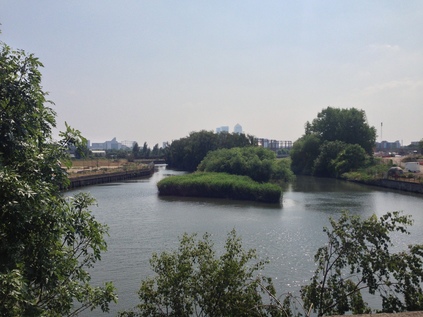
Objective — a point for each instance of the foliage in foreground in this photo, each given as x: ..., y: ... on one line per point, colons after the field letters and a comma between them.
x: 256, y: 162
x: 219, y: 185
x: 193, y: 281
x: 358, y: 258
x: 47, y: 244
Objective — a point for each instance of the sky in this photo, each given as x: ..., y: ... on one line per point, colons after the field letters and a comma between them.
x: 154, y: 71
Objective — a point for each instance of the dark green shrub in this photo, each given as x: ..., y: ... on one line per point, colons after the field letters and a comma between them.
x: 219, y: 185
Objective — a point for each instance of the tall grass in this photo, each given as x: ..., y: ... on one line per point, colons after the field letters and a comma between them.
x: 219, y: 185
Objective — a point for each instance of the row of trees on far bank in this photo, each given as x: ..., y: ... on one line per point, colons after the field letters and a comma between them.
x: 145, y: 151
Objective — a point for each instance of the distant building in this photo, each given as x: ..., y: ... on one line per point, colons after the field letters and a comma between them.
x: 98, y: 146
x: 274, y: 145
x: 99, y: 153
x: 222, y: 129
x: 386, y: 146
x: 127, y: 144
x: 238, y: 129
x: 113, y: 144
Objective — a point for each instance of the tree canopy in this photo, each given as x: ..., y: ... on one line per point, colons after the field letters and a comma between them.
x: 358, y: 259
x: 303, y: 153
x: 47, y: 242
x: 256, y: 162
x: 337, y: 141
x: 346, y: 125
x: 186, y: 153
x: 193, y: 281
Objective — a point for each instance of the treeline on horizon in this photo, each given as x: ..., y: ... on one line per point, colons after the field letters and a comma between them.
x: 338, y: 141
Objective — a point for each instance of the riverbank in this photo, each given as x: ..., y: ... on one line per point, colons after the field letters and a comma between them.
x: 394, y: 184
x: 117, y: 175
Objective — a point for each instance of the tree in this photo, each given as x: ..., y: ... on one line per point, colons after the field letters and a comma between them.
x: 145, y: 152
x: 155, y: 152
x: 358, y: 258
x: 324, y: 164
x: 258, y: 163
x: 352, y: 157
x: 193, y: 281
x: 281, y: 170
x: 186, y: 153
x: 316, y: 151
x: 303, y: 153
x: 347, y: 125
x: 136, y: 150
x: 47, y: 242
x: 227, y: 140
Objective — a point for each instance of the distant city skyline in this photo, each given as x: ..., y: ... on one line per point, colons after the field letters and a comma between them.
x: 116, y: 145
x: 237, y: 129
x: 157, y: 70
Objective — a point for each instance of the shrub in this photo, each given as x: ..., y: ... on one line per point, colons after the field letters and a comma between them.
x: 219, y: 185
x: 193, y: 281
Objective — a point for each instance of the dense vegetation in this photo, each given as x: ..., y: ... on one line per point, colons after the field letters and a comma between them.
x: 256, y: 162
x: 193, y: 281
x: 146, y: 152
x: 186, y: 153
x: 356, y: 260
x: 47, y: 242
x: 219, y: 185
x: 236, y: 173
x: 336, y: 142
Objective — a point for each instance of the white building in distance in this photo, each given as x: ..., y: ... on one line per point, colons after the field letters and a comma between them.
x: 112, y: 145
x: 222, y: 129
x: 238, y: 129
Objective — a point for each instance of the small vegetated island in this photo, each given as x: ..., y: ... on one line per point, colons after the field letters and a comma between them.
x: 241, y: 173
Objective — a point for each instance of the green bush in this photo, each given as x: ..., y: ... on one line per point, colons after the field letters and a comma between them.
x: 194, y: 281
x: 256, y: 162
x: 375, y: 169
x: 219, y: 185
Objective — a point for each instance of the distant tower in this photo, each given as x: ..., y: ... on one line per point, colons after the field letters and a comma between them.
x: 238, y: 129
x: 222, y: 129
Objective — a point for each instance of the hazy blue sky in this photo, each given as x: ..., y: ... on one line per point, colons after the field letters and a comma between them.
x: 156, y: 70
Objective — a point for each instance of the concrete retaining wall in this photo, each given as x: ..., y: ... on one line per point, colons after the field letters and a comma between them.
x: 109, y: 177
x: 393, y: 184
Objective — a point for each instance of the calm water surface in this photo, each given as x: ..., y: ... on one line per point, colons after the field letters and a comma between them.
x: 288, y: 235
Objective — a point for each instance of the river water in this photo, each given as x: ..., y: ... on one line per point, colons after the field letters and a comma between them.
x: 140, y: 223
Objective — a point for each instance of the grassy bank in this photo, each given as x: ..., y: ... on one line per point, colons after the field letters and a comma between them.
x: 219, y: 185
x: 102, y: 166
